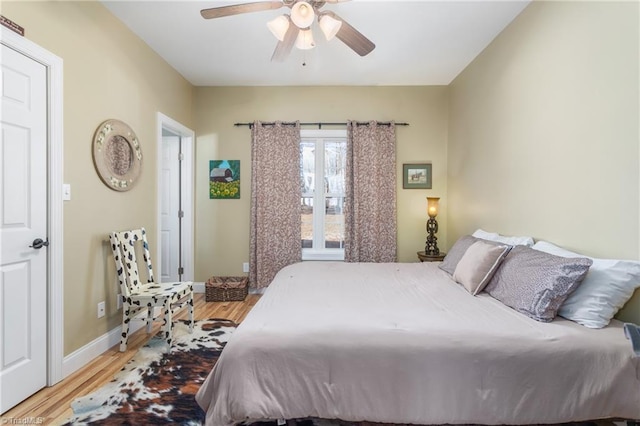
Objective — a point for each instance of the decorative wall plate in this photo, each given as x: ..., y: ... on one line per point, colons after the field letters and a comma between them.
x: 117, y: 155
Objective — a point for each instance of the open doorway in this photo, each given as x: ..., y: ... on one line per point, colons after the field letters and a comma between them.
x: 175, y: 200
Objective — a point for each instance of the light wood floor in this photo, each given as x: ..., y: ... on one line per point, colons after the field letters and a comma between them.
x: 53, y: 405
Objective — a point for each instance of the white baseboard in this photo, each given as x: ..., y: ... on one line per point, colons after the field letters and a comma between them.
x: 81, y: 357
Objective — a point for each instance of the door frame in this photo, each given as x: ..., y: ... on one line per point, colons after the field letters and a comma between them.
x: 187, y: 137
x: 55, y: 251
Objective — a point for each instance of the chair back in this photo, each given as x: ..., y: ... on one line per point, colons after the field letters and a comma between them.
x: 123, y: 245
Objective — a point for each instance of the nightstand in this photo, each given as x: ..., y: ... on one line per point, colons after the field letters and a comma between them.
x: 424, y: 258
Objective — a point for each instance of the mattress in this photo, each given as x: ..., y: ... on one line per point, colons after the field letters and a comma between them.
x: 403, y: 343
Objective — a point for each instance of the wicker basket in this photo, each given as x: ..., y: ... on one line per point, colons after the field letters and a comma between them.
x: 225, y: 289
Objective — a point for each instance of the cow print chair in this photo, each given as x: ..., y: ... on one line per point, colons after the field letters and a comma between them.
x: 138, y: 296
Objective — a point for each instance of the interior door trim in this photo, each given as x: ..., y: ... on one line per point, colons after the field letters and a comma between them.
x: 55, y: 251
x: 187, y: 137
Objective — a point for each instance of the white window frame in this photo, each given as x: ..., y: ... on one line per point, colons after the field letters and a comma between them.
x: 319, y: 137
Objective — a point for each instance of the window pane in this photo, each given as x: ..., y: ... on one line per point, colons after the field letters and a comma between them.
x: 334, y: 222
x: 335, y: 154
x: 307, y: 222
x: 307, y: 166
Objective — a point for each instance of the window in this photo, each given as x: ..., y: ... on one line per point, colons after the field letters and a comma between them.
x: 323, y: 155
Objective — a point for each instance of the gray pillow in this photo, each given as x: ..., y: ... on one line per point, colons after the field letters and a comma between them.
x: 536, y: 283
x: 456, y: 252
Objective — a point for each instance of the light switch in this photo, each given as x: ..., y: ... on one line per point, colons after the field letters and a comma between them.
x: 66, y: 192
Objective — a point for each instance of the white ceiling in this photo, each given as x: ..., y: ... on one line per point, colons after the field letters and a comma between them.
x: 417, y: 42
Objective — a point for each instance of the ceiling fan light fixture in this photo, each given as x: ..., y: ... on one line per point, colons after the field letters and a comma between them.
x: 305, y: 40
x: 279, y: 26
x: 329, y: 26
x: 302, y: 14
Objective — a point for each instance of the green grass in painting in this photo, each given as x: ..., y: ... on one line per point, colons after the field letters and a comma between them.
x: 224, y: 189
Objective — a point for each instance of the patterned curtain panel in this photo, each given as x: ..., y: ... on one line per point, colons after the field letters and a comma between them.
x: 370, y: 205
x: 275, y: 200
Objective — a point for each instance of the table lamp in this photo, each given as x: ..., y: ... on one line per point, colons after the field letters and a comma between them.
x: 431, y: 247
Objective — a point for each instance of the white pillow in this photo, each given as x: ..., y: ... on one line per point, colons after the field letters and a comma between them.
x: 512, y: 241
x: 609, y: 284
x: 478, y: 264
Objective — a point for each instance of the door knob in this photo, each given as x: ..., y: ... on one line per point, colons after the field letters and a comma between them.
x: 38, y: 243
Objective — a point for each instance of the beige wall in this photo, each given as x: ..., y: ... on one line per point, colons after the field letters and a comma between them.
x: 543, y: 131
x: 108, y: 73
x: 542, y: 135
x: 222, y: 226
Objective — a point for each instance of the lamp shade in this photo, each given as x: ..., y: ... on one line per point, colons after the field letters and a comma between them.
x: 305, y: 40
x: 302, y: 14
x: 329, y: 26
x: 279, y: 26
x: 432, y: 206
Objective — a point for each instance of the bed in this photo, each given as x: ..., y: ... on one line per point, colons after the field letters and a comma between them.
x: 404, y: 343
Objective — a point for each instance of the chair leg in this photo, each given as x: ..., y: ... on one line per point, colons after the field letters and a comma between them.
x: 149, y: 318
x: 168, y: 322
x: 191, y: 313
x: 124, y: 337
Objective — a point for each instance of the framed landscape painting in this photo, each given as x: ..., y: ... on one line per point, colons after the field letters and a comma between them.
x: 416, y: 176
x: 224, y: 179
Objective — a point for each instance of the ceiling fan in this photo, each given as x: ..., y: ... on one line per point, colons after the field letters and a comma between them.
x: 295, y: 28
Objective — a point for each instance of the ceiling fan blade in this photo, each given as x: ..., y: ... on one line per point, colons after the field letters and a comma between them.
x: 236, y: 9
x: 352, y: 37
x: 283, y: 48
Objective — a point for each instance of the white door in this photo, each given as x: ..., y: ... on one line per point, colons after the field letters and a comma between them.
x: 23, y: 219
x: 170, y: 208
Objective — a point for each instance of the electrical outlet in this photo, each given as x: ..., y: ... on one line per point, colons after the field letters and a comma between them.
x: 245, y: 267
x: 119, y: 300
x: 101, y: 309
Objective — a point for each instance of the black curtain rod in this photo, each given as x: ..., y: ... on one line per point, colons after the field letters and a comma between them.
x: 319, y: 124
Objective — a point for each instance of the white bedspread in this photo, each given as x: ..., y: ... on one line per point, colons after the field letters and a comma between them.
x: 402, y: 343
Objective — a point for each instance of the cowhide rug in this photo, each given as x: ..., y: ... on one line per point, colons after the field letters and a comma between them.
x: 156, y: 386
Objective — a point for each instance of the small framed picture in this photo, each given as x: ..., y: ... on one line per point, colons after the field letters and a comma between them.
x: 416, y: 176
x: 224, y: 179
